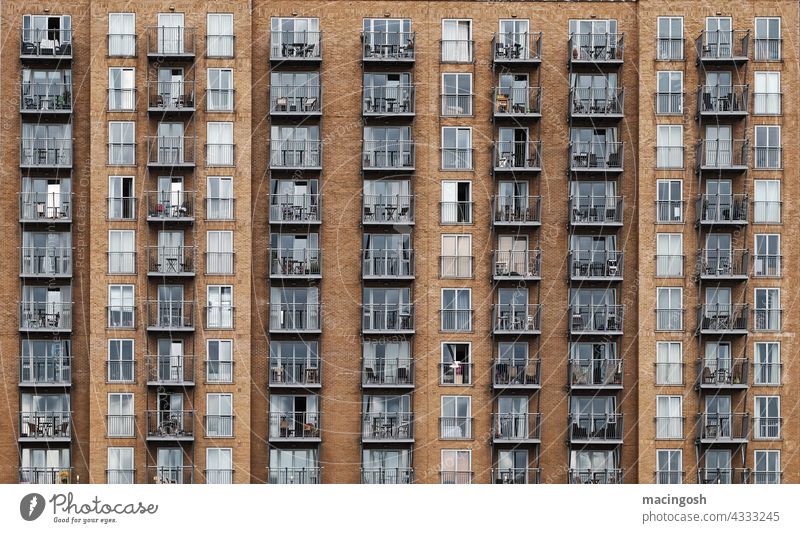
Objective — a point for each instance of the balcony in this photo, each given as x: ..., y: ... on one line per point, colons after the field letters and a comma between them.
x: 295, y: 46
x: 517, y: 319
x: 723, y: 101
x: 170, y: 425
x: 387, y: 427
x: 220, y: 263
x: 611, y: 476
x: 170, y: 206
x: 722, y: 209
x: 46, y: 44
x: 723, y: 373
x: 723, y: 264
x: 295, y: 100
x: 387, y: 373
x: 45, y: 262
x: 516, y: 428
x: 587, y: 374
x: 172, y: 475
x: 455, y: 477
x: 387, y: 476
x: 722, y: 155
x: 295, y: 476
x: 294, y: 426
x: 171, y: 97
x: 302, y: 209
x: 295, y: 373
x: 455, y: 427
x: 516, y: 48
x: 170, y: 370
x: 767, y: 266
x: 386, y: 319
x: 170, y: 42
x: 41, y: 475
x: 768, y: 158
x: 295, y: 263
x: 516, y: 476
x: 295, y: 318
x: 517, y: 265
x: 45, y: 371
x: 388, y: 47
x: 517, y: 156
x: 170, y: 315
x: 395, y: 155
x: 517, y: 210
x: 177, y: 261
x: 596, y: 156
x: 46, y: 153
x: 723, y: 46
x: 120, y: 426
x: 604, y: 428
x: 295, y: 155
x: 218, y: 426
x: 517, y: 102
x: 172, y: 151
x: 596, y: 265
x: 600, y: 319
x: 44, y: 207
x: 597, y: 103
x: 45, y: 98
x: 596, y: 211
x: 517, y: 374
x: 595, y: 49
x: 723, y: 428
x: 42, y: 426
x: 391, y: 210
x: 722, y: 476
x: 388, y: 101
x: 722, y: 319
x: 387, y: 264
x: 50, y: 317
x: 669, y: 48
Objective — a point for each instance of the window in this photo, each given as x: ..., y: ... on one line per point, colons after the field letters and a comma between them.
x: 120, y: 361
x: 456, y: 467
x: 219, y: 144
x: 767, y: 363
x: 122, y: 89
x: 220, y: 307
x: 121, y: 252
x: 219, y: 198
x: 456, y: 94
x: 219, y: 35
x: 120, y: 415
x: 669, y: 255
x: 121, y: 143
x: 456, y: 258
x: 456, y: 421
x: 669, y: 467
x: 767, y: 418
x: 767, y: 203
x: 219, y: 252
x: 220, y: 89
x: 456, y: 41
x: 297, y: 362
x: 219, y: 415
x: 669, y: 147
x: 171, y: 35
x: 456, y: 202
x: 669, y: 363
x: 669, y: 97
x: 767, y: 310
x: 121, y: 34
x: 595, y: 40
x: 293, y: 38
x: 388, y: 147
x: 768, y: 147
x: 767, y: 93
x: 768, y: 467
x: 294, y: 466
x: 456, y: 148
x: 669, y: 309
x: 120, y: 469
x: 768, y: 39
x: 456, y: 310
x: 669, y: 201
x: 121, y: 198
x: 669, y: 417
x: 767, y: 258
x: 219, y: 361
x: 456, y: 365
x: 670, y: 38
x: 120, y: 306
x: 219, y: 465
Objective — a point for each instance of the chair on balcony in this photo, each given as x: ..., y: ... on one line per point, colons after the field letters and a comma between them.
x: 612, y: 267
x: 282, y: 104
x: 309, y: 104
x: 502, y: 103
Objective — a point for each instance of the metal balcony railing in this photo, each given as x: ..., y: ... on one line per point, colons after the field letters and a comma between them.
x: 220, y: 154
x: 596, y: 210
x: 516, y: 210
x: 218, y: 476
x: 219, y: 371
x: 516, y: 476
x: 597, y: 102
x: 387, y: 372
x: 388, y: 100
x: 220, y: 208
x: 669, y: 156
x: 767, y: 265
x: 455, y: 427
x: 722, y: 154
x: 295, y: 262
x: 45, y: 97
x: 722, y: 476
x: 120, y: 426
x: 768, y: 49
x: 669, y: 103
x: 220, y: 263
x: 596, y: 264
x: 456, y: 266
x: 45, y: 43
x: 170, y: 425
x: 456, y: 104
x: 388, y: 155
x: 516, y: 427
x: 291, y: 154
x: 173, y: 475
x: 611, y: 476
x: 171, y: 96
x: 121, y: 316
x: 767, y: 319
x: 517, y: 47
x: 517, y: 102
x: 220, y: 46
x: 121, y: 44
x: 669, y: 477
x: 517, y: 318
x: 45, y: 425
x: 122, y: 208
x: 386, y: 263
x: 387, y: 476
x: 295, y: 425
x: 601, y: 319
x: 597, y: 47
x: 218, y: 425
x: 767, y: 427
x: 164, y: 206
x: 455, y: 477
x: 46, y: 475
x: 722, y: 209
x: 596, y: 156
x: 50, y: 261
x: 295, y: 209
x: 220, y: 99
x: 604, y: 427
x: 669, y: 319
x: 456, y: 158
x: 723, y: 99
x: 388, y: 46
x: 121, y: 371
x: 722, y: 427
x: 768, y: 157
x: 170, y: 315
x: 595, y: 373
x: 457, y: 50
x: 46, y: 152
x: 723, y: 264
x: 670, y: 211
x: 171, y: 41
x: 387, y: 427
x: 669, y: 373
x: 455, y: 373
x: 295, y: 99
x: 165, y: 370
x: 295, y: 46
x: 172, y: 151
x: 722, y: 318
x: 387, y: 209
x: 387, y: 318
x: 517, y: 264
x: 171, y: 260
x: 669, y: 48
x: 295, y: 372
x: 517, y: 155
x: 45, y: 316
x: 295, y: 317
x: 116, y: 476
x: 310, y: 475
x: 723, y: 45
x: 45, y: 207
x: 42, y: 370
x: 515, y: 373
x: 765, y: 477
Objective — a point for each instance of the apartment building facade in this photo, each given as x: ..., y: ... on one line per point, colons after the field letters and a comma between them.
x: 399, y: 242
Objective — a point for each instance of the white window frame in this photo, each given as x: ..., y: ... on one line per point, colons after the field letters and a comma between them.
x: 772, y: 360
x: 669, y: 264
x: 778, y: 473
x: 669, y: 97
x: 456, y: 453
x: 668, y: 471
x: 222, y: 52
x: 767, y: 265
x: 767, y: 102
x: 669, y: 152
x: 124, y: 98
x: 126, y: 147
x: 121, y: 432
x: 458, y: 265
x: 123, y: 303
x: 670, y: 324
x: 457, y: 311
x: 220, y: 153
x: 756, y: 55
x: 670, y: 201
x: 124, y: 264
x: 122, y: 367
x: 224, y: 372
x: 219, y: 476
x: 771, y: 430
x: 460, y: 162
x: 219, y: 316
x: 667, y: 55
x: 668, y: 371
x: 125, y: 467
x: 769, y: 321
x: 466, y: 375
x: 764, y: 198
x: 219, y: 98
x: 669, y: 426
x: 214, y: 407
x: 457, y: 50
x: 451, y: 205
x: 458, y: 435
x: 457, y: 104
x: 219, y: 242
x: 130, y: 40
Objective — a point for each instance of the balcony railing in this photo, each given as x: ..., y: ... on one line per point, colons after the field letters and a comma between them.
x: 220, y: 154
x: 595, y: 373
x: 669, y: 266
x: 387, y: 318
x: 295, y: 317
x: 723, y: 45
x: 723, y: 427
x: 669, y: 477
x: 517, y: 102
x: 600, y: 319
x: 173, y: 475
x: 49, y: 261
x: 171, y: 96
x: 295, y: 262
x: 587, y: 265
x: 669, y: 103
x: 220, y: 263
x: 45, y: 476
x: 516, y: 476
x: 517, y: 156
x: 385, y: 100
x: 669, y: 318
x: 388, y: 155
x: 386, y: 263
x: 767, y: 265
x: 295, y: 426
x: 768, y: 49
x: 456, y: 104
x: 387, y: 476
x: 170, y: 425
x: 722, y: 476
x: 387, y: 372
x: 170, y: 315
x: 121, y: 316
x: 298, y: 155
x: 295, y: 209
x: 723, y: 100
x: 610, y: 476
x: 722, y: 319
x: 45, y: 97
x: 387, y: 427
x: 122, y: 208
x: 41, y: 371
x: 456, y: 158
x: 166, y: 370
x: 517, y: 47
x: 295, y: 476
x: 669, y: 48
x: 517, y: 210
x: 170, y: 41
x: 220, y: 208
x: 514, y: 373
x: 597, y: 47
x: 45, y: 207
x: 42, y: 43
x: 295, y: 46
x: 516, y: 427
x: 456, y: 266
x: 120, y: 426
x: 218, y: 425
x: 455, y: 477
x: 767, y: 103
x: 388, y: 46
x: 596, y: 210
x: 45, y: 425
x: 597, y: 102
x: 765, y: 477
x: 171, y: 151
x: 220, y: 316
x: 455, y: 427
x: 604, y: 427
x: 121, y: 371
x: 46, y: 152
x: 220, y: 45
x: 723, y: 264
x: 171, y: 260
x: 387, y: 209
x: 669, y: 427
x: 456, y: 373
x: 517, y: 318
x: 303, y: 100
x: 45, y: 316
x: 722, y: 209
x: 596, y: 156
x: 164, y: 206
x: 669, y: 156
x: 295, y: 372
x: 457, y: 50
x: 768, y: 157
x: 670, y: 211
x: 722, y: 154
x: 767, y: 319
x: 219, y: 476
x: 767, y: 427
x: 517, y: 264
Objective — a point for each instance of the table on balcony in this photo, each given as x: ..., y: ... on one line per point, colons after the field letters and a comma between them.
x: 171, y: 264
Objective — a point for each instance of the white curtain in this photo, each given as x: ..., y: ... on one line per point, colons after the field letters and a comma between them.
x: 220, y: 35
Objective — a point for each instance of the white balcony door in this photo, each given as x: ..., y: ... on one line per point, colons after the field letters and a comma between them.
x: 767, y: 93
x: 719, y: 146
x: 170, y: 142
x: 220, y: 306
x: 170, y: 360
x: 719, y: 35
x: 170, y: 33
